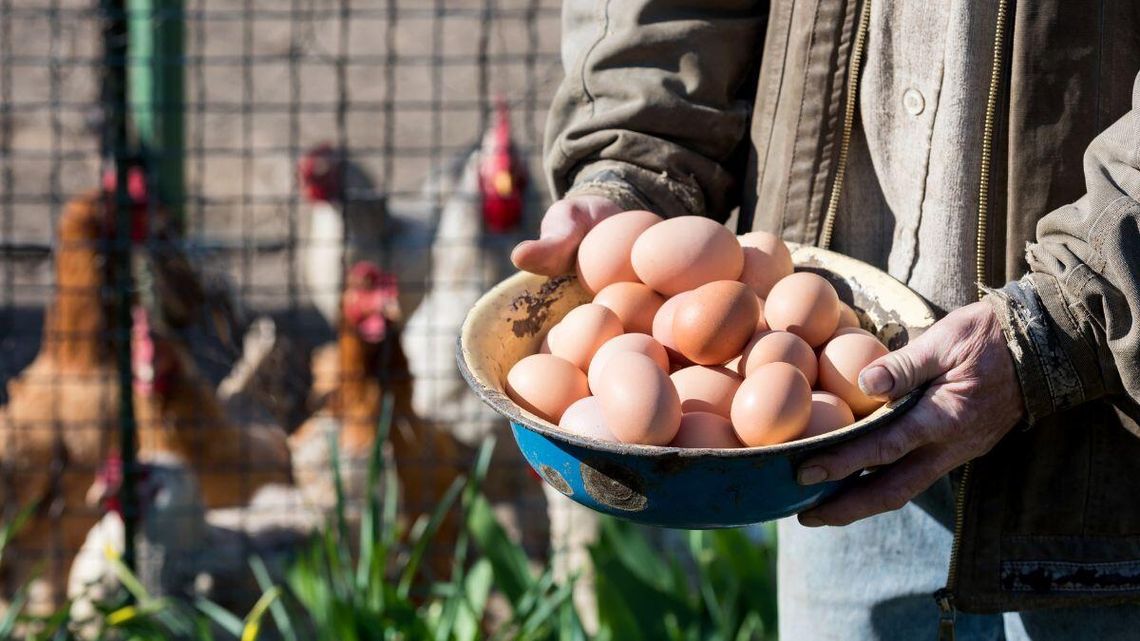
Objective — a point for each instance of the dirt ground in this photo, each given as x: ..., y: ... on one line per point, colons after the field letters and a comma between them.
x: 397, y: 81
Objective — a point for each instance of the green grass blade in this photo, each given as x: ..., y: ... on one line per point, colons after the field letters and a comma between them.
x: 424, y: 537
x: 220, y: 616
x: 13, y: 527
x: 252, y: 628
x: 371, y: 519
x: 12, y: 614
x: 508, y: 560
x: 277, y: 607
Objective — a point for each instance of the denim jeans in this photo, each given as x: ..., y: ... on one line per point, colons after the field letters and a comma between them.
x: 874, y: 580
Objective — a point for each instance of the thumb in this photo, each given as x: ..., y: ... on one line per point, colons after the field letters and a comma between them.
x: 563, y: 227
x: 904, y: 369
x: 552, y: 254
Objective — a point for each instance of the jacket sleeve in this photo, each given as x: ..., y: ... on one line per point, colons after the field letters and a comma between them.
x: 655, y: 102
x: 1073, y: 322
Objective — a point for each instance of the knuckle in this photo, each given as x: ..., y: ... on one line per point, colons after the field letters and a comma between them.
x: 890, y: 448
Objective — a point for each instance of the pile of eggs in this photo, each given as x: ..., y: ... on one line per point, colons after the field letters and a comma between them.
x: 697, y: 338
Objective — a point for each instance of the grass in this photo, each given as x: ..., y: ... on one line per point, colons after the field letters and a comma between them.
x: 720, y: 586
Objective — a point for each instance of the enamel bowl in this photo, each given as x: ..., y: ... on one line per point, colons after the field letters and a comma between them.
x: 668, y: 486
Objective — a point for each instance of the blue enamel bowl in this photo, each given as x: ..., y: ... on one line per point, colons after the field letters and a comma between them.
x: 669, y: 486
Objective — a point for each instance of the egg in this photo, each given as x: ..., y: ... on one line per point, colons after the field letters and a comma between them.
x: 634, y: 303
x: 684, y: 253
x: 778, y: 347
x: 640, y: 343
x: 828, y: 413
x: 581, y: 332
x: 706, y: 389
x: 804, y: 304
x: 604, y: 253
x: 766, y: 261
x: 839, y: 365
x: 639, y: 401
x: 772, y: 406
x: 847, y: 317
x: 545, y: 385
x: 663, y: 327
x: 705, y: 429
x: 585, y: 418
x: 852, y: 330
x: 715, y: 321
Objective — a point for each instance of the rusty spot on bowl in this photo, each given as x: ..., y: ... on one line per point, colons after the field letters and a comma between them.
x: 554, y: 478
x: 614, y: 486
x: 536, y: 307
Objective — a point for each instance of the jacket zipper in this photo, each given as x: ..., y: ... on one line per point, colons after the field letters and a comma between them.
x: 848, y: 123
x: 946, y: 596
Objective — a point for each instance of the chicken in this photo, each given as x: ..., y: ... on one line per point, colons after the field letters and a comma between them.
x: 370, y: 365
x: 177, y: 412
x: 64, y: 407
x: 483, y: 200
x: 181, y: 549
x: 347, y: 222
x: 481, y: 220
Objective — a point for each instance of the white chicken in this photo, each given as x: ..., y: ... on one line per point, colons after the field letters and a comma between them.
x: 480, y: 221
x: 347, y: 222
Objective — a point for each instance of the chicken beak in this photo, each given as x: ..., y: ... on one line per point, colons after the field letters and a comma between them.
x: 503, y: 182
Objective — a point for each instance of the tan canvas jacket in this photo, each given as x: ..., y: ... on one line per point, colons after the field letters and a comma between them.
x: 702, y: 106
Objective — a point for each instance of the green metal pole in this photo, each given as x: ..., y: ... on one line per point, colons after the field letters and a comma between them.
x: 157, y: 95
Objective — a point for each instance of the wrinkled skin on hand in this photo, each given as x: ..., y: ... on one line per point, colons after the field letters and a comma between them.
x: 973, y: 400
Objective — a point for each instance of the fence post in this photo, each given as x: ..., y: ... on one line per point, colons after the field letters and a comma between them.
x: 157, y: 96
x: 117, y: 152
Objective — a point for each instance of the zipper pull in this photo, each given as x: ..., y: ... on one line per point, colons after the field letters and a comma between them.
x: 946, y: 614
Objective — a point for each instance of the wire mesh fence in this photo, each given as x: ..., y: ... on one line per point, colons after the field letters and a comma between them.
x: 302, y: 201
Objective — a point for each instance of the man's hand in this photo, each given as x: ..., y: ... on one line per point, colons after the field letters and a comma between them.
x: 563, y: 227
x: 973, y: 400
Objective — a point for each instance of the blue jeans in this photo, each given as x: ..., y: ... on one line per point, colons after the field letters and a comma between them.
x: 874, y: 580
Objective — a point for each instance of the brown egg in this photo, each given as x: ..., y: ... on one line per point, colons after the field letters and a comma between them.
x: 706, y: 389
x: 684, y: 253
x: 847, y: 317
x: 546, y: 385
x: 634, y: 303
x: 839, y: 366
x: 773, y: 405
x: 714, y: 321
x: 778, y: 347
x: 766, y: 261
x: 640, y: 343
x: 705, y: 429
x: 663, y: 328
x: 828, y: 413
x: 585, y: 418
x: 639, y: 401
x: 603, y: 255
x: 852, y: 330
x: 581, y: 332
x: 804, y: 304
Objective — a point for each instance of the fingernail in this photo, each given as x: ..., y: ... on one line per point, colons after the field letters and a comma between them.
x: 876, y: 381
x: 812, y: 475
x: 810, y: 521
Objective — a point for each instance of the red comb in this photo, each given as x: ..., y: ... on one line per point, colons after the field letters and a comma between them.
x: 369, y: 275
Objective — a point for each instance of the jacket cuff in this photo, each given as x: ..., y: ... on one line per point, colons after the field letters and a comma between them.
x: 633, y: 187
x: 1048, y: 355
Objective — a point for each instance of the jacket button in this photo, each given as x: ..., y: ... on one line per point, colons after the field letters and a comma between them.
x: 913, y: 102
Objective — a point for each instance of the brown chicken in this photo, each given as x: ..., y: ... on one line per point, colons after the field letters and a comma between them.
x: 371, y: 364
x: 63, y: 408
x: 178, y: 412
